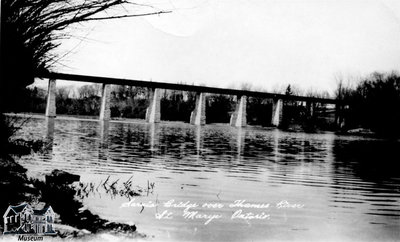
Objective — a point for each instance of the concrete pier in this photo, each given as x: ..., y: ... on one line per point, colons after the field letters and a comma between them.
x: 310, y: 106
x: 339, y: 119
x: 51, y: 99
x: 239, y: 117
x: 153, y: 112
x: 277, y: 112
x: 198, y: 116
x: 105, y: 112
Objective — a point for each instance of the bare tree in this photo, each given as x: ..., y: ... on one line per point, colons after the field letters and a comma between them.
x: 88, y: 91
x: 246, y: 86
x: 32, y: 29
x: 64, y: 92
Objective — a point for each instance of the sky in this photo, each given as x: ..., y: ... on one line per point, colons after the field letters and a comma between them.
x: 225, y: 43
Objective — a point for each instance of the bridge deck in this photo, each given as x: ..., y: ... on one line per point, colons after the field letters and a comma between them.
x: 182, y: 87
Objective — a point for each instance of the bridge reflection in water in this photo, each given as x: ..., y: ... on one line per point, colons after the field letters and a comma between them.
x: 349, y: 185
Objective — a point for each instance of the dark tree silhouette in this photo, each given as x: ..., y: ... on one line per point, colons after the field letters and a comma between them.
x: 288, y: 91
x: 374, y: 104
x: 32, y: 29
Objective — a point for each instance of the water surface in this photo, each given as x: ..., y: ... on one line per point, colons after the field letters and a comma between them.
x: 348, y: 186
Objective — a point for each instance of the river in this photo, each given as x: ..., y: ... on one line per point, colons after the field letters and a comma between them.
x: 249, y: 184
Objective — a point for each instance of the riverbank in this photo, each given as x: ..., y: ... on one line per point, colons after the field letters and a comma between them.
x: 72, y: 221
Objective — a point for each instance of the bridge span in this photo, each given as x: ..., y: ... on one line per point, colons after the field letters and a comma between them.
x: 198, y: 116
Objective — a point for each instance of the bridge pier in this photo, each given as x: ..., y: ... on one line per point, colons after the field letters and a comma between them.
x: 51, y: 99
x: 239, y: 117
x: 198, y: 116
x: 153, y: 112
x: 277, y: 112
x: 310, y: 106
x: 105, y: 112
x: 339, y: 119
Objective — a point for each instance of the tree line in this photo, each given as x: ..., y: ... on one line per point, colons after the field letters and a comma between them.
x: 373, y: 103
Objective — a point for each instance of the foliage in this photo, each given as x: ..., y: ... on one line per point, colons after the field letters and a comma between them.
x: 129, y: 102
x: 219, y: 108
x: 257, y: 111
x: 374, y: 103
x: 177, y: 105
x: 8, y: 127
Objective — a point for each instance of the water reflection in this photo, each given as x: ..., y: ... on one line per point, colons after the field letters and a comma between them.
x: 154, y: 136
x: 339, y: 179
x: 276, y: 152
x: 103, y: 146
x: 49, y: 138
x: 50, y: 128
x: 104, y: 132
x: 199, y: 140
x: 240, y: 142
x: 365, y: 178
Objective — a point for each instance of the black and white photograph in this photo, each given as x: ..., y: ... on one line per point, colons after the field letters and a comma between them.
x: 200, y: 120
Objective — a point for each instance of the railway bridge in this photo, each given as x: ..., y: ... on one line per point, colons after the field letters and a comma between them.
x: 198, y: 115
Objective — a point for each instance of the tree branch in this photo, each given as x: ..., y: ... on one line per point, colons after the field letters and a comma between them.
x: 127, y: 16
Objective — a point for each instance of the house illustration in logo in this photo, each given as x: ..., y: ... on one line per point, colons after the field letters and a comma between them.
x: 23, y: 219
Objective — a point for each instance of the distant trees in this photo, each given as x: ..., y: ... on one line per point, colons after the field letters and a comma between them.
x: 219, y: 107
x: 88, y: 91
x: 177, y: 105
x: 85, y: 102
x: 128, y: 101
x: 258, y: 111
x: 374, y: 103
x: 289, y: 91
x: 310, y: 116
x: 79, y: 102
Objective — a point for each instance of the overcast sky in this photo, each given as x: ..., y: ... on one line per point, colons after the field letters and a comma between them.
x: 225, y: 43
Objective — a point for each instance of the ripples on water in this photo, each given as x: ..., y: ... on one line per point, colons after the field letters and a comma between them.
x: 350, y: 186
